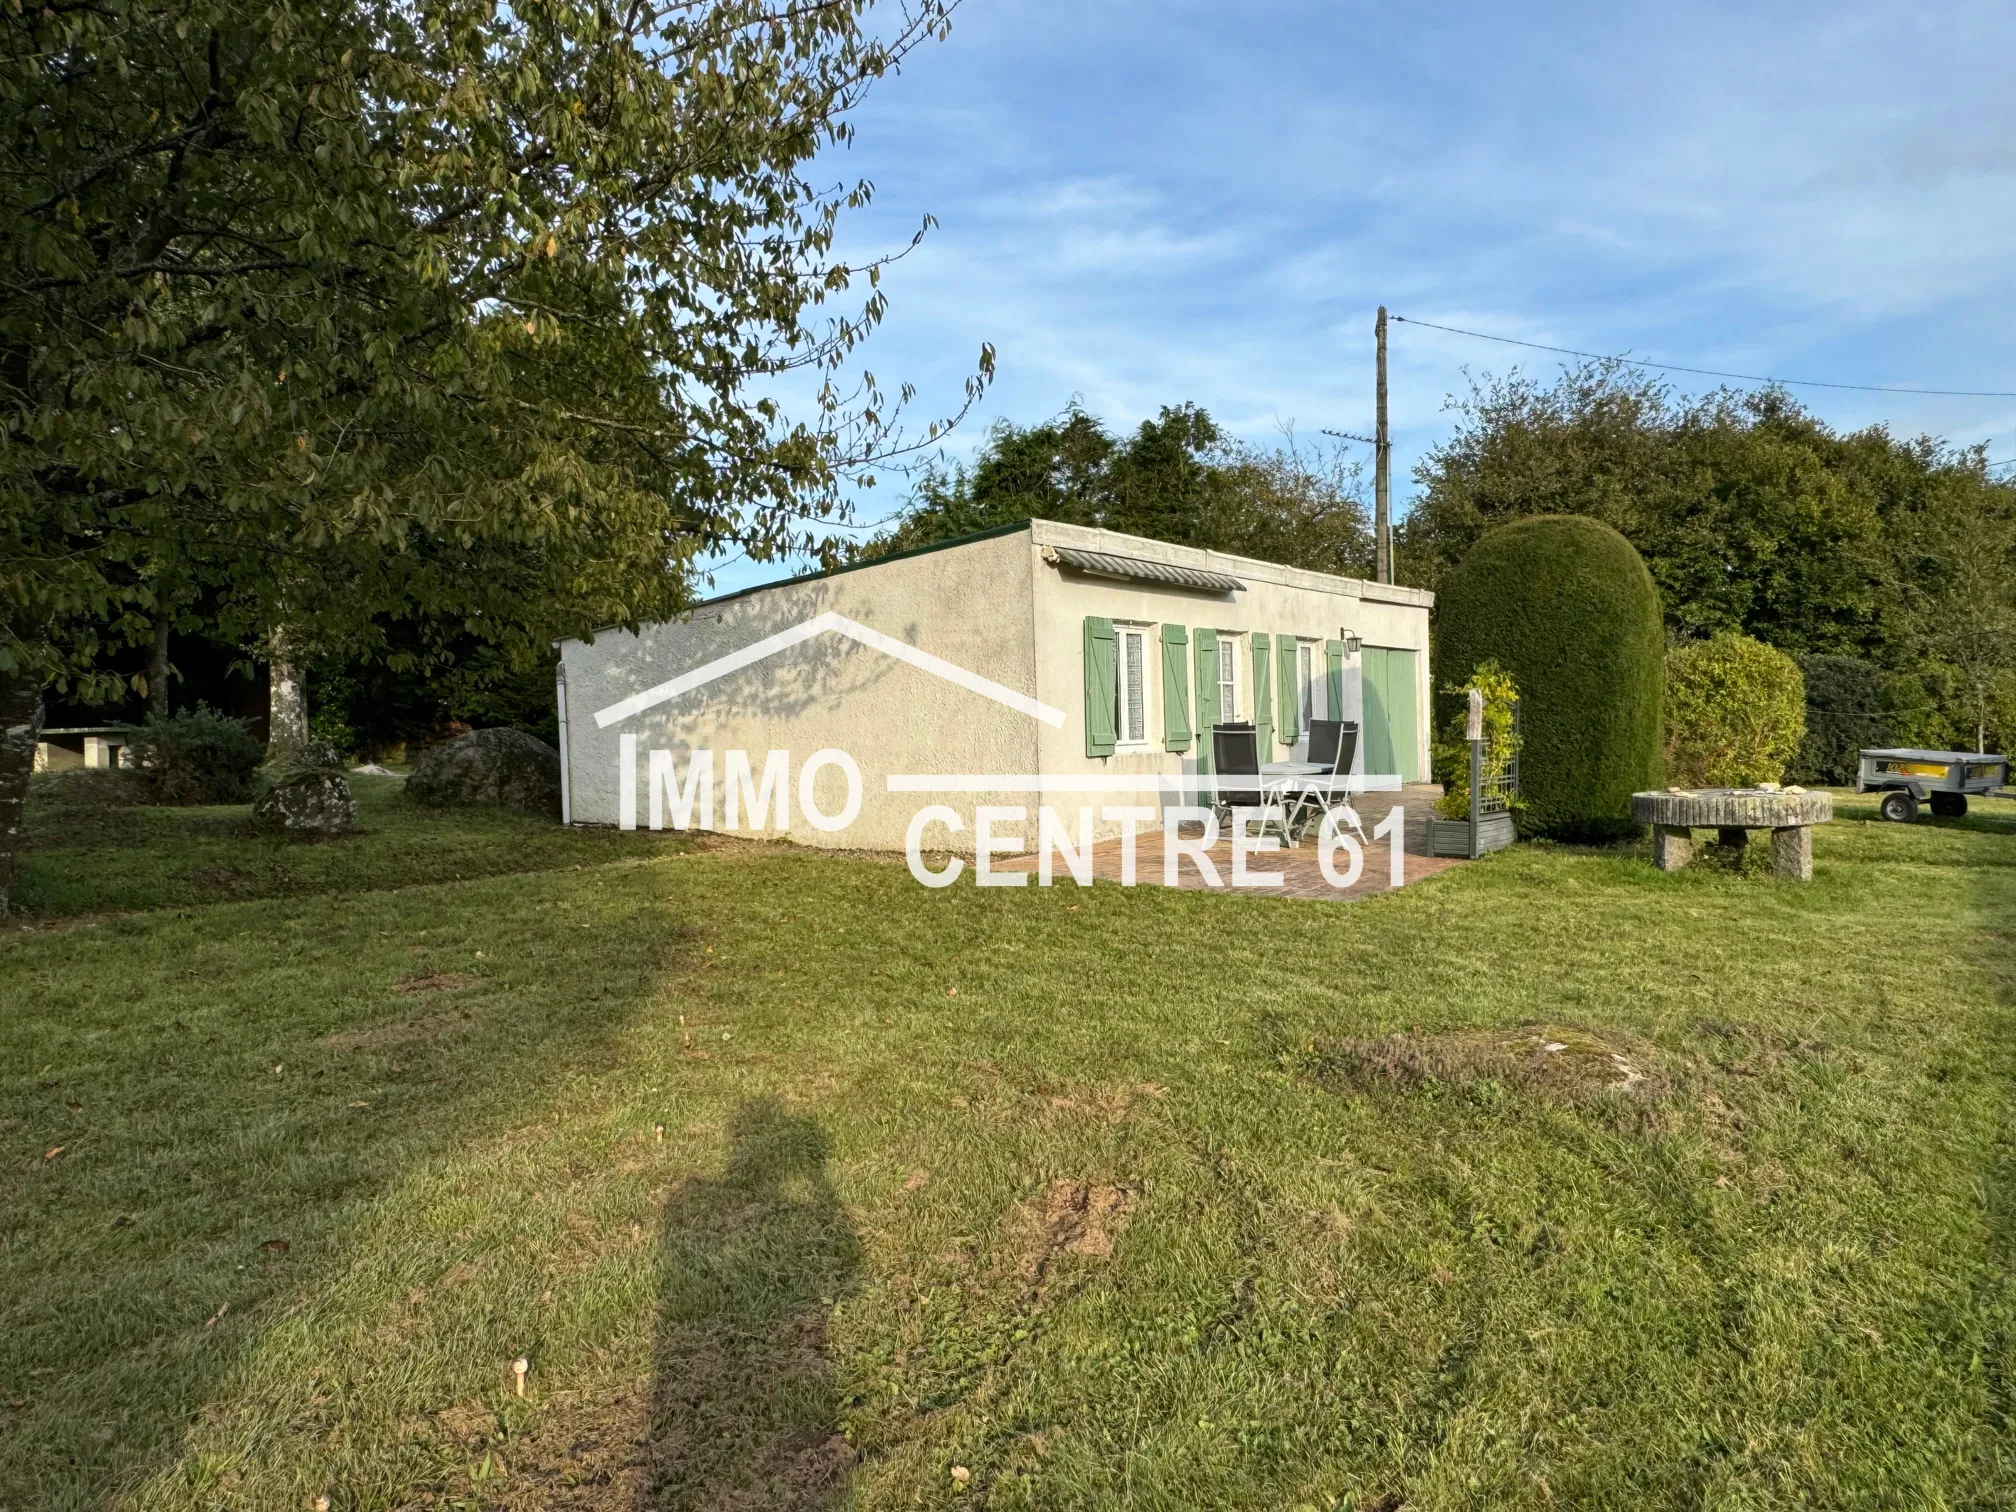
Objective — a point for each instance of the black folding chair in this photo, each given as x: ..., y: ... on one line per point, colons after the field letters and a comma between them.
x: 1323, y: 740
x: 1235, y: 754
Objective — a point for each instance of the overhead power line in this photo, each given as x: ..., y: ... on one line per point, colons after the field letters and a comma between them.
x: 1674, y: 367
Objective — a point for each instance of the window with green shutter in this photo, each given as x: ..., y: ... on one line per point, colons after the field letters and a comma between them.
x: 1207, y: 694
x: 1288, y: 714
x: 1263, y: 693
x: 1333, y: 678
x: 1175, y: 688
x: 1102, y: 685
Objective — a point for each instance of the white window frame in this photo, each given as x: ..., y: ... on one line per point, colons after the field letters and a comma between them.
x: 1305, y: 672
x: 1123, y: 740
x: 1229, y: 644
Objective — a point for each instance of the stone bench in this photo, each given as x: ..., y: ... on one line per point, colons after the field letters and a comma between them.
x: 1790, y: 816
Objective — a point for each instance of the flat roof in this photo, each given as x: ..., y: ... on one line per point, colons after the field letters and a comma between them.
x: 1056, y: 531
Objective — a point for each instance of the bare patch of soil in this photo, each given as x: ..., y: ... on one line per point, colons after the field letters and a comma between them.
x: 1568, y: 1063
x: 1069, y: 1218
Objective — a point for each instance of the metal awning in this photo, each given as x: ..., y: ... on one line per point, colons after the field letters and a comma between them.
x: 1104, y: 564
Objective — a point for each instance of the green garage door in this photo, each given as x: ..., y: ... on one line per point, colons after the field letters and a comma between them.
x: 1392, y: 714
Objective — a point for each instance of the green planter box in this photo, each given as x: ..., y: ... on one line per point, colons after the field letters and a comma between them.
x: 1451, y: 837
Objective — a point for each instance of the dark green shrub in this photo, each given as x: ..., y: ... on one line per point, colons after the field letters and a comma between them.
x: 1735, y: 712
x: 1565, y: 605
x: 1848, y: 709
x: 196, y: 756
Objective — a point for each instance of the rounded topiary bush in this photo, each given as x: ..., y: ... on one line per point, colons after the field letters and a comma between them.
x: 1565, y: 605
x: 1735, y: 712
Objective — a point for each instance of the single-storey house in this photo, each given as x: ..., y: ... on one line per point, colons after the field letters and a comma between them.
x: 1033, y: 660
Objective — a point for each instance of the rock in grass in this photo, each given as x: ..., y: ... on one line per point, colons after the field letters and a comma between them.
x: 303, y: 794
x: 312, y: 808
x: 503, y: 766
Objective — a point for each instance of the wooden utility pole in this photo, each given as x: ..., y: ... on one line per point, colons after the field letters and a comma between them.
x: 1382, y: 465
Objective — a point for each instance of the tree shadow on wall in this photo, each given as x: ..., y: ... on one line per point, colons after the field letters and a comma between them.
x: 744, y: 1412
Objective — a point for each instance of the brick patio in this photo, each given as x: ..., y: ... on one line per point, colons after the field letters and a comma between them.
x: 1302, y: 874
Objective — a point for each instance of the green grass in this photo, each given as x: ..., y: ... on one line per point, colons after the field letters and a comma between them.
x: 91, y: 849
x: 799, y: 1186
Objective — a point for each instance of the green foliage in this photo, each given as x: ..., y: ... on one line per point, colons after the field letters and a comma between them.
x: 330, y: 725
x: 1501, y: 737
x: 195, y: 756
x: 375, y: 711
x: 1177, y: 478
x: 1962, y: 582
x: 1566, y: 606
x: 1735, y: 712
x: 451, y: 310
x: 1754, y: 517
x: 1849, y: 708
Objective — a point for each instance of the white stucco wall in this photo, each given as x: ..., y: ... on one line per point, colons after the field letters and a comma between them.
x: 994, y: 607
x: 1277, y: 600
x: 969, y: 604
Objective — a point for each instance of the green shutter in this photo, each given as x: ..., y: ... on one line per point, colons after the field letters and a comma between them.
x: 1403, y: 714
x: 1263, y: 694
x: 1207, y: 694
x: 1333, y: 677
x: 1175, y: 688
x: 1289, y: 720
x: 1377, y: 737
x: 1102, y: 685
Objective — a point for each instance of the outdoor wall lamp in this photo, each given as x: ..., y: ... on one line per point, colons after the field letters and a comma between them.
x: 1351, y: 642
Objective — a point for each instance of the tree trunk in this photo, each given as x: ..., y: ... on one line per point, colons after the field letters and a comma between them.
x: 286, y: 699
x: 157, y: 673
x: 20, y: 725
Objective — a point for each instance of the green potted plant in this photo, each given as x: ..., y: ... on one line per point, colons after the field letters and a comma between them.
x: 1478, y: 762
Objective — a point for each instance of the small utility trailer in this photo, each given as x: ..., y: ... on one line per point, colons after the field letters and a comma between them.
x: 1942, y: 780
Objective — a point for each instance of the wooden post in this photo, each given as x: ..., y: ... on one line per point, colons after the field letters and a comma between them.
x: 1382, y: 463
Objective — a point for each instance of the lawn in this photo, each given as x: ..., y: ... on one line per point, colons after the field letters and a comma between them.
x: 797, y: 1185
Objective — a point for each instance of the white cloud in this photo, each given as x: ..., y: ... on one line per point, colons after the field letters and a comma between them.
x: 1146, y: 203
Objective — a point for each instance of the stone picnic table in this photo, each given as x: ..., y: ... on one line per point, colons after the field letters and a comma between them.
x: 1789, y: 814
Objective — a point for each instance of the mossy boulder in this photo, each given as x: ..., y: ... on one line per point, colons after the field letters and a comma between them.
x: 503, y: 766
x: 1565, y: 604
x: 301, y: 793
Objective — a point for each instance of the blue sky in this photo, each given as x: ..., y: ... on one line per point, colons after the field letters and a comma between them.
x: 1141, y: 204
